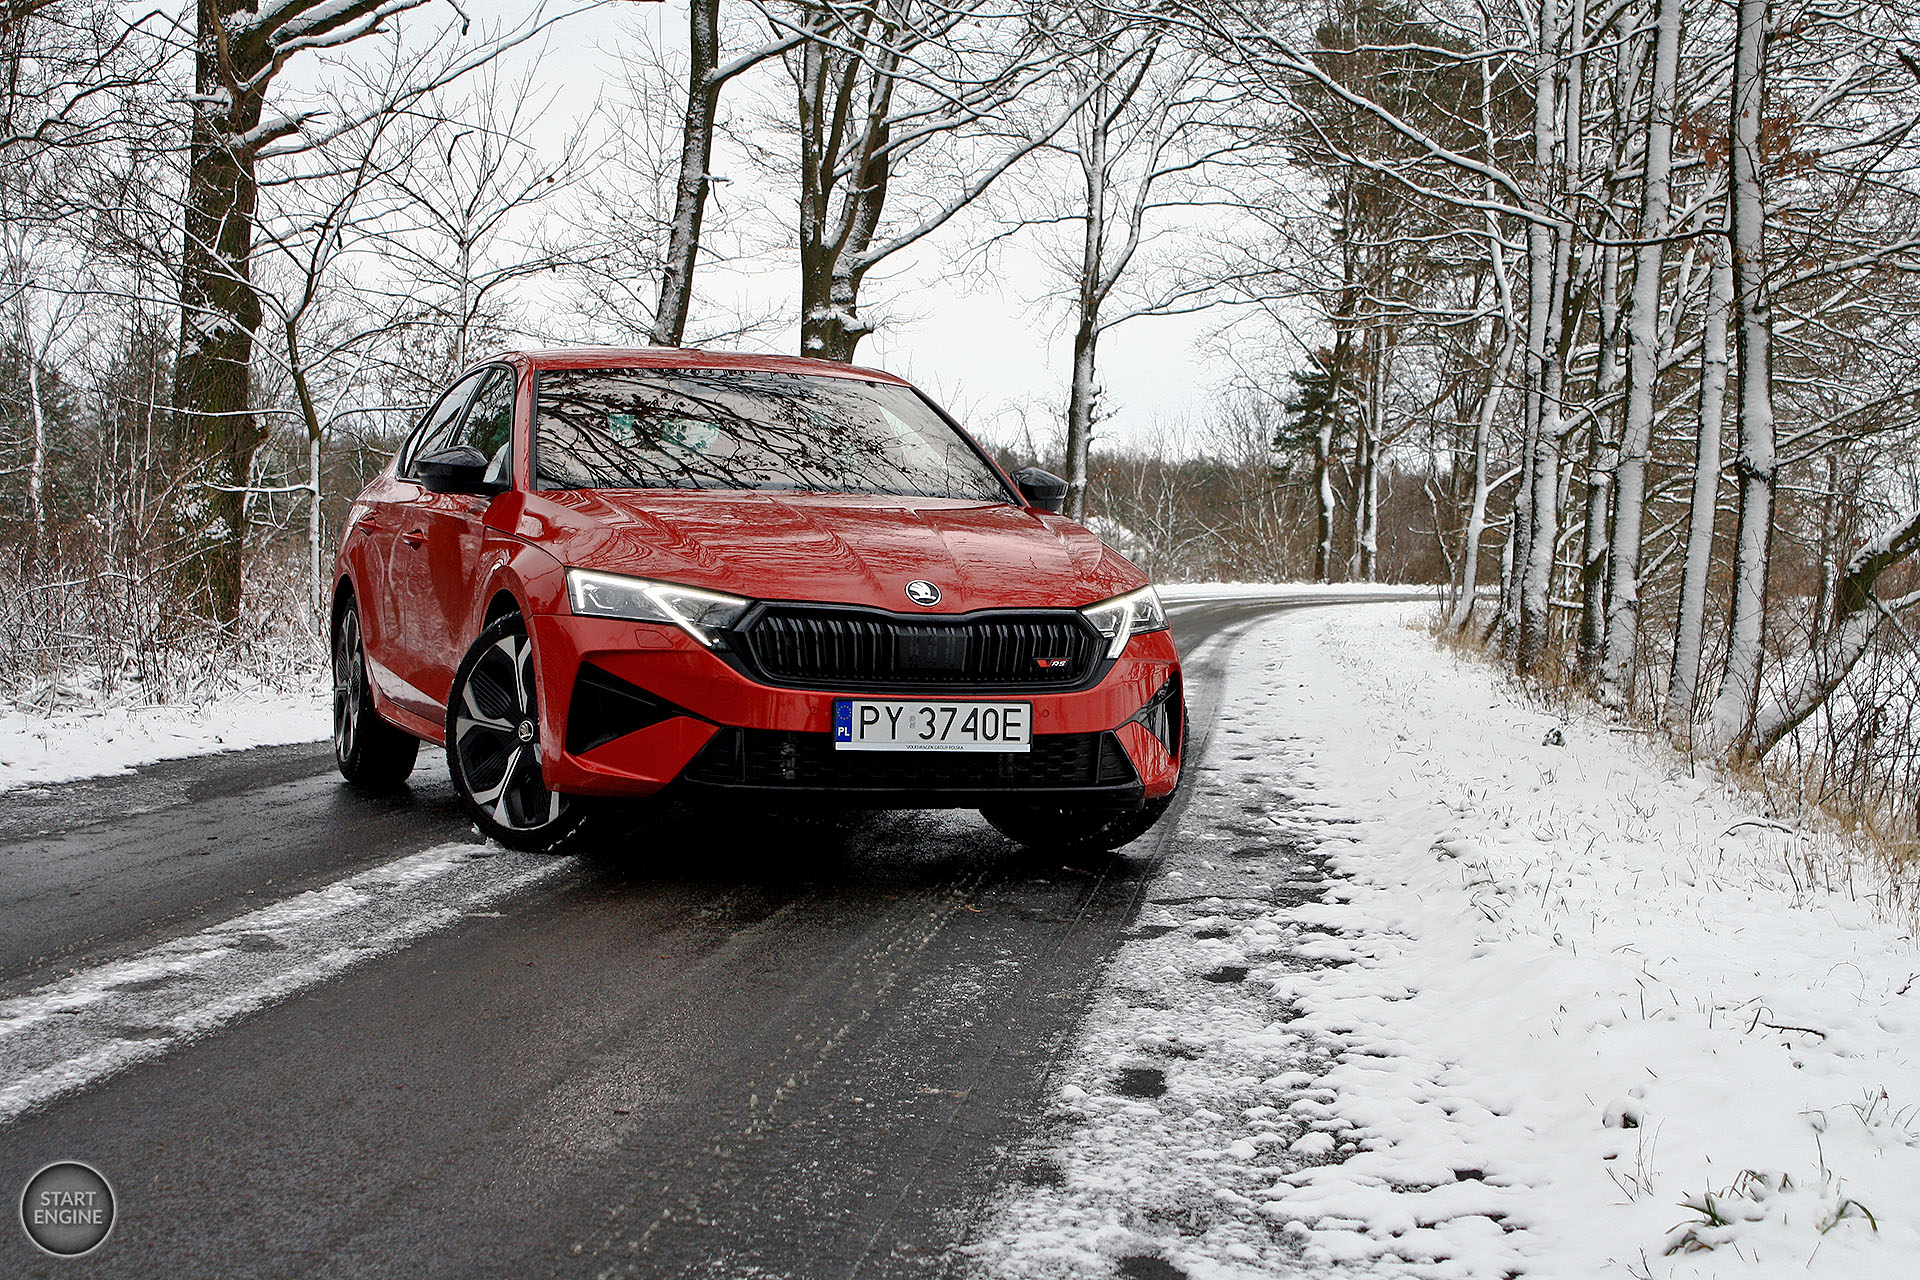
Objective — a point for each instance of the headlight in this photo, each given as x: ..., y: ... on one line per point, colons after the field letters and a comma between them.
x: 1123, y: 617
x: 611, y: 595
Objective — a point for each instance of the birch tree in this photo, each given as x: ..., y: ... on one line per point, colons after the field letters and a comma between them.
x: 1690, y: 617
x: 1643, y: 364
x: 1733, y: 706
x: 1145, y: 134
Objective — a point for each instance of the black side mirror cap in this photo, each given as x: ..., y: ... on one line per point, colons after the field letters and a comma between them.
x: 461, y: 469
x: 1043, y: 490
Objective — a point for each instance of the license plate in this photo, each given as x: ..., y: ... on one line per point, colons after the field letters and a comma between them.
x: 869, y: 725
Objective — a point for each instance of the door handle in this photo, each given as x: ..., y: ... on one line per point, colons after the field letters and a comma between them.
x: 414, y: 537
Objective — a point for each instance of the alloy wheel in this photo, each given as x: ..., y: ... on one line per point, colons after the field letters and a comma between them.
x: 496, y: 735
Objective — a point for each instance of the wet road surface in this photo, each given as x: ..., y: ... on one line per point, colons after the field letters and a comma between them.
x: 717, y: 1047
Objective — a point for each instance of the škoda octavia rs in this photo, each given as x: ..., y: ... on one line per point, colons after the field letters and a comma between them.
x: 598, y: 574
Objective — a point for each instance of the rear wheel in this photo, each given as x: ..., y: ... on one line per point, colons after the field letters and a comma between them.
x: 1071, y: 830
x: 371, y: 753
x: 493, y: 745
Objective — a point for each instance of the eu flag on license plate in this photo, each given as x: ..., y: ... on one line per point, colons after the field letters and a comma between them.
x: 843, y: 720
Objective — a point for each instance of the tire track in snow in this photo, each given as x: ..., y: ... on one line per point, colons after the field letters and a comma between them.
x: 79, y: 1030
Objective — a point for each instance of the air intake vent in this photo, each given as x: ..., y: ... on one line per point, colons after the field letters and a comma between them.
x: 806, y: 761
x: 605, y: 707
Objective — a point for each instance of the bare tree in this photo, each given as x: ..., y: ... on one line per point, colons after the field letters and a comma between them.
x: 240, y: 51
x: 1733, y: 707
x: 1644, y: 311
x: 1690, y: 618
x: 1138, y: 151
x: 707, y: 76
x: 883, y: 87
x: 465, y: 211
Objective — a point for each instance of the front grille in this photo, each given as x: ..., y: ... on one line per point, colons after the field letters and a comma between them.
x: 773, y: 758
x: 846, y: 648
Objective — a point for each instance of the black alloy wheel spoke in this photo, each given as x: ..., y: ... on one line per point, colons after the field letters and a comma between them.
x: 497, y: 737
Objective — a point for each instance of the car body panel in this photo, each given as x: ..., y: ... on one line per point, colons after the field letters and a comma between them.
x: 847, y: 548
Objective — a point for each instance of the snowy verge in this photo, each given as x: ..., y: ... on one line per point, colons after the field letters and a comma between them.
x: 38, y: 747
x: 1440, y: 983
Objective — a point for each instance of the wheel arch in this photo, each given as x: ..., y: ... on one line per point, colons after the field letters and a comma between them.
x: 504, y: 602
x: 344, y: 594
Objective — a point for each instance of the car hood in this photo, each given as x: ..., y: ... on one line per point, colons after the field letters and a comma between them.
x: 844, y: 548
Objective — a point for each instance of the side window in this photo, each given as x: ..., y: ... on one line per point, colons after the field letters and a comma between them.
x: 437, y: 426
x: 489, y: 424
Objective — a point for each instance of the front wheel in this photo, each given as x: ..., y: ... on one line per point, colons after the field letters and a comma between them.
x: 1071, y: 830
x: 494, y: 749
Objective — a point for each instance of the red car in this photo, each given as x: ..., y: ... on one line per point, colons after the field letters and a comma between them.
x: 601, y: 574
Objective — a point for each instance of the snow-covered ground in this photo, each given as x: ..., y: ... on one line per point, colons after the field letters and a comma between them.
x: 111, y: 737
x: 1439, y: 982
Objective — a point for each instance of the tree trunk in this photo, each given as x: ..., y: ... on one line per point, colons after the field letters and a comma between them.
x: 1829, y: 570
x: 1373, y: 430
x: 1085, y: 392
x: 1080, y: 414
x: 1536, y: 522
x: 1367, y: 534
x: 1690, y: 624
x: 215, y: 431
x: 1323, y: 498
x: 690, y: 191
x: 1734, y: 705
x: 1858, y: 617
x: 1477, y: 508
x: 37, y: 464
x: 310, y: 418
x: 1551, y: 252
x: 1621, y: 645
x: 1603, y: 457
x: 830, y: 322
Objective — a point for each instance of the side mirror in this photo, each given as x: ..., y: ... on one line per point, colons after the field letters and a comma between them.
x: 1043, y: 490
x: 461, y: 469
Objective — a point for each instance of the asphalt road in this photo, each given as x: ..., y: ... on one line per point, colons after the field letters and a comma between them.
x: 723, y: 1046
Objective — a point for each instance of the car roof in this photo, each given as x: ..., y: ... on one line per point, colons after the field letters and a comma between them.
x: 689, y: 358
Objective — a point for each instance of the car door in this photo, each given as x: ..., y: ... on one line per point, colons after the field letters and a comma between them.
x: 402, y: 520
x: 441, y: 616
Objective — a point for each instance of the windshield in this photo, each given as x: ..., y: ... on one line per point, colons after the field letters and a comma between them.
x: 741, y: 429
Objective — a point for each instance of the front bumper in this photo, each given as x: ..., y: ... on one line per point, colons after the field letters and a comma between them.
x: 632, y: 707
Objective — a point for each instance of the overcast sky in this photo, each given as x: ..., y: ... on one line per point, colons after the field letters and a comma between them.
x: 979, y: 349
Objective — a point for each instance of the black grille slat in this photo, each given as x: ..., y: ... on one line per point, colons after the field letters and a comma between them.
x: 854, y: 648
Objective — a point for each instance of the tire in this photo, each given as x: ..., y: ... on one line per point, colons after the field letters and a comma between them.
x: 1072, y: 831
x: 493, y: 745
x: 370, y: 753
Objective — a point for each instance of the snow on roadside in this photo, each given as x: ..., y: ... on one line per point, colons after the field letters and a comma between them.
x: 1516, y: 995
x: 38, y: 747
